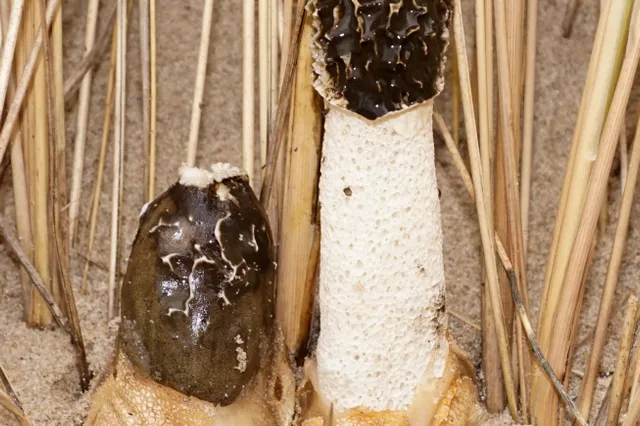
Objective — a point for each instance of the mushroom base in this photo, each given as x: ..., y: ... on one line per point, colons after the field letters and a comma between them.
x: 451, y: 400
x: 129, y: 397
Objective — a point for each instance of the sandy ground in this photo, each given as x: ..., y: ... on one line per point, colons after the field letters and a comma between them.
x: 40, y: 363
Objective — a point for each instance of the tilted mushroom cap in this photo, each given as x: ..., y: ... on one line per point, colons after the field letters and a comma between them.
x: 374, y: 57
x: 197, y: 298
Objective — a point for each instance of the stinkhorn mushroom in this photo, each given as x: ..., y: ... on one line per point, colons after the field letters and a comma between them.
x: 383, y: 355
x: 197, y: 343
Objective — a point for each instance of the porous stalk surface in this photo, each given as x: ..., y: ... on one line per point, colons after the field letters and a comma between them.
x: 382, y: 288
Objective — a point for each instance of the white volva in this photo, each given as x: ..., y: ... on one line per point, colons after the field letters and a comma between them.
x: 382, y: 275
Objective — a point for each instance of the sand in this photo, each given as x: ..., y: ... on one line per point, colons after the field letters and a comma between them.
x: 40, y: 363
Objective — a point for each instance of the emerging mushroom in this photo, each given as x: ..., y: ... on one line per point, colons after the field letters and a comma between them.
x: 383, y: 356
x: 197, y: 342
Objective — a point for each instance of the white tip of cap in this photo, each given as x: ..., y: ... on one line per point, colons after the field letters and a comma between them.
x: 201, y: 178
x: 144, y: 208
x: 222, y: 171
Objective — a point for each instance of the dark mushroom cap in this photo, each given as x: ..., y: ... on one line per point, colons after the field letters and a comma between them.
x: 197, y: 298
x: 374, y: 57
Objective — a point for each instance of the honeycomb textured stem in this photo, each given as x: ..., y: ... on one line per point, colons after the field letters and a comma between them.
x: 382, y: 290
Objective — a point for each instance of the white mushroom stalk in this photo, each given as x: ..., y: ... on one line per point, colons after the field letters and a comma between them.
x: 383, y: 344
x: 382, y: 286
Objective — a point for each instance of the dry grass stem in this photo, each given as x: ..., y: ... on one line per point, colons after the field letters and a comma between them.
x: 526, y: 323
x: 622, y: 362
x: 485, y: 231
x: 595, y: 186
x: 529, y: 110
x: 506, y: 263
x: 9, y: 41
x: 103, y: 154
x: 27, y: 129
x: 491, y: 361
x: 24, y: 82
x: 118, y: 150
x: 484, y: 97
x: 8, y: 389
x: 601, y: 418
x: 633, y: 414
x: 60, y: 176
x: 274, y: 211
x: 201, y: 73
x: 275, y: 23
x: 632, y: 383
x: 10, y: 406
x: 37, y: 281
x: 574, y: 333
x: 555, y: 315
x: 60, y: 259
x: 495, y: 393
x: 91, y: 58
x: 143, y: 12
x: 624, y: 155
x: 484, y: 64
x: 277, y: 31
x: 21, y: 197
x: 465, y: 319
x: 82, y: 121
x: 99, y: 264
x: 152, y: 100
x: 40, y: 175
x: 514, y: 31
x: 576, y: 148
x: 624, y: 149
x: 9, y: 400
x: 264, y: 61
x: 287, y: 31
x: 296, y: 255
x: 633, y: 375
x: 248, y: 95
x: 489, y: 51
x: 454, y: 152
x: 468, y: 183
x: 509, y: 96
x: 23, y: 224
x: 57, y: 155
x: 455, y: 98
x: 613, y: 273
x: 279, y: 126
x: 272, y: 192
x: 313, y: 266
x: 603, y: 219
